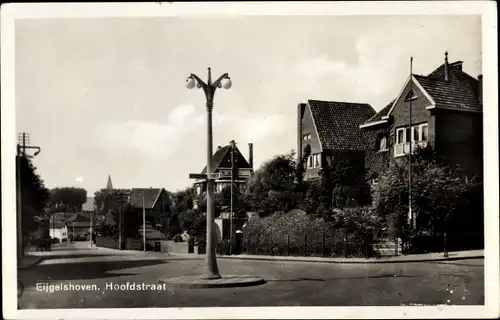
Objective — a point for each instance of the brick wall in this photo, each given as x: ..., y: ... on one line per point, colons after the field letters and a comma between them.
x: 459, y: 140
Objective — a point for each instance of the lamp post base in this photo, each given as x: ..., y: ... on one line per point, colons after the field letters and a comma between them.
x: 222, y: 282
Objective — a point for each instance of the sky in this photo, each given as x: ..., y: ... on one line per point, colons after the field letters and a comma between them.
x: 107, y: 96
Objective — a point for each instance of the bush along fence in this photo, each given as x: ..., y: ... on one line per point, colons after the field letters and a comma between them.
x: 337, y: 243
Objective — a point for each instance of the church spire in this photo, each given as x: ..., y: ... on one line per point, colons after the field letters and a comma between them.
x: 109, y: 186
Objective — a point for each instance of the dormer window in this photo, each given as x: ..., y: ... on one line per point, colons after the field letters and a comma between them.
x: 410, y: 96
x: 307, y: 136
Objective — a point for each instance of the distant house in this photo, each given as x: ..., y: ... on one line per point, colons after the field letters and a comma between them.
x: 331, y: 130
x: 59, y: 230
x: 156, y: 203
x: 78, y: 226
x: 446, y: 114
x: 223, y: 166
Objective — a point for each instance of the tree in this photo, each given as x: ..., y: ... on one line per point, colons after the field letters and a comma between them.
x: 272, y: 186
x: 33, y: 192
x: 438, y: 193
x: 106, y: 200
x: 67, y: 199
x: 183, y: 200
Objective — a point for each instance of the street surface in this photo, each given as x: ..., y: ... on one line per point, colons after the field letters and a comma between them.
x: 100, y: 273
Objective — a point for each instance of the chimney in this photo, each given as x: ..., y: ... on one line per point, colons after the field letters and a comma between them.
x: 232, y: 143
x: 446, y: 67
x: 250, y: 155
x: 300, y: 112
x: 218, y: 147
x: 480, y: 88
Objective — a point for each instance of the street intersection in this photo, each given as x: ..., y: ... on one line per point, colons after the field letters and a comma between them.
x: 75, y: 276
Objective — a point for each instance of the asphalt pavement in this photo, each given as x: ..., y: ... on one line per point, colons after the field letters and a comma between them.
x: 74, y: 276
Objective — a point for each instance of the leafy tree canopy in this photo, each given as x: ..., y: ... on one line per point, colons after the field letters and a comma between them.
x: 67, y: 199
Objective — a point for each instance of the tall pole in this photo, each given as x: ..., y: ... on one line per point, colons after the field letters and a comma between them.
x: 144, y: 222
x: 120, y: 226
x: 210, y: 271
x: 412, y: 218
x: 20, y: 245
x: 232, y: 192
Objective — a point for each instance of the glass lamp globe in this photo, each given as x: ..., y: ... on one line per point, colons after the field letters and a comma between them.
x: 226, y: 83
x: 190, y: 83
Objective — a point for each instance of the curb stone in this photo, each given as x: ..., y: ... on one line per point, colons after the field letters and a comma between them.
x: 351, y: 261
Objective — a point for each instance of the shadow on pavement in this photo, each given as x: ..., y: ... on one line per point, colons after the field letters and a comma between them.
x: 89, y: 270
x: 70, y: 256
x: 341, y: 278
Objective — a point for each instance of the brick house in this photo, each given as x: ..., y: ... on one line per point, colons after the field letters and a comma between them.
x: 446, y: 114
x: 155, y: 201
x: 332, y: 131
x: 221, y: 166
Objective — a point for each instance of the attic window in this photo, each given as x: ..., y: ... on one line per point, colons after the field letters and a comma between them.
x: 307, y: 136
x: 410, y: 96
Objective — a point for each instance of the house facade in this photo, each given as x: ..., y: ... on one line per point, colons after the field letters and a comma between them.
x: 331, y: 130
x: 228, y: 162
x: 155, y: 202
x: 446, y: 114
x: 59, y: 231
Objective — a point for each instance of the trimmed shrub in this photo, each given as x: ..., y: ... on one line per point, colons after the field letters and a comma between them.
x: 298, y: 234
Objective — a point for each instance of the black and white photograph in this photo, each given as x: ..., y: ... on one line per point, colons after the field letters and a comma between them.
x: 250, y: 160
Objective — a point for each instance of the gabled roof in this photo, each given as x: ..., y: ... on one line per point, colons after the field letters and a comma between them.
x: 337, y: 124
x: 78, y: 220
x: 459, y: 93
x: 379, y: 116
x: 89, y: 204
x: 219, y: 156
x: 149, y: 195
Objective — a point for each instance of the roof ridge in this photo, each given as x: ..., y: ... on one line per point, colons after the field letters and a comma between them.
x: 346, y: 102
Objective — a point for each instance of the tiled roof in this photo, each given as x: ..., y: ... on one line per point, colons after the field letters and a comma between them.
x: 150, y: 196
x: 338, y: 124
x: 89, y: 204
x: 217, y: 158
x: 460, y: 91
x: 78, y: 220
x: 62, y: 216
x: 383, y: 112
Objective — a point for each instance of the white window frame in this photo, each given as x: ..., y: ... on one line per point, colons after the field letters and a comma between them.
x: 310, y: 161
x: 379, y: 142
x: 317, y: 160
x: 419, y: 128
x: 314, y: 161
x: 403, y: 137
x: 421, y: 132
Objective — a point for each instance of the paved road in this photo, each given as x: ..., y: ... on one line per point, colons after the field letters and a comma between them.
x: 288, y: 283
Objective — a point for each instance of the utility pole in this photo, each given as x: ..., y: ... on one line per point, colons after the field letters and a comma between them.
x: 412, y: 218
x: 232, y: 193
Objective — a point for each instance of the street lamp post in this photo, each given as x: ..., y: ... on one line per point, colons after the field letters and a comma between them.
x: 211, y: 270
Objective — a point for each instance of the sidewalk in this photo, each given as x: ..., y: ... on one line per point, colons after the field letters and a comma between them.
x: 437, y: 256
x: 29, y: 261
